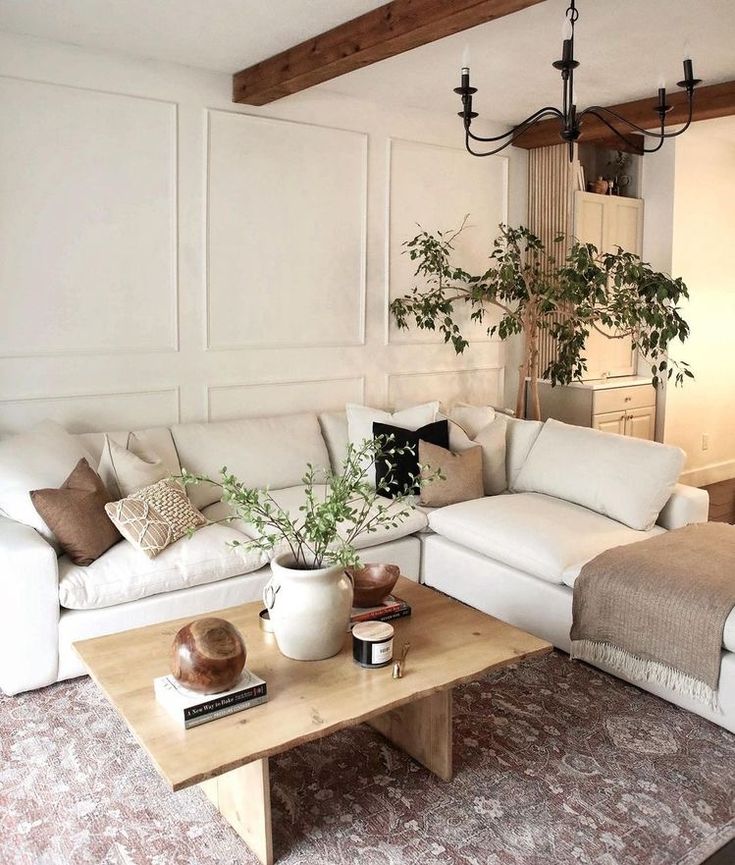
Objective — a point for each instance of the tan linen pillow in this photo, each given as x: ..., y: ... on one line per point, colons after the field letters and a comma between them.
x: 75, y: 513
x: 155, y: 517
x: 462, y: 475
x: 131, y: 468
x: 492, y: 440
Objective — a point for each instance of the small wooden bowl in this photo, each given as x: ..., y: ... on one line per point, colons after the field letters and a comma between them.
x: 208, y: 655
x: 372, y: 583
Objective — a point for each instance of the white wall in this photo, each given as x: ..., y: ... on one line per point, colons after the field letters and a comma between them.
x: 166, y: 255
x: 657, y: 183
x: 701, y: 253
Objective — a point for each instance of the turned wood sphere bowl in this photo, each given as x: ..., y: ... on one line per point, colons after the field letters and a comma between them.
x: 208, y: 655
x: 372, y: 583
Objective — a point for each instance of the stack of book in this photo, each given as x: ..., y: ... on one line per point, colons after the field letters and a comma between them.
x: 190, y: 709
x: 391, y: 608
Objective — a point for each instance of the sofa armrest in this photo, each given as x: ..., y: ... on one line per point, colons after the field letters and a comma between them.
x: 29, y: 600
x: 686, y: 505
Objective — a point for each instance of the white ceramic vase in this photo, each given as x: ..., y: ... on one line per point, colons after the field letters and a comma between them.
x: 309, y: 609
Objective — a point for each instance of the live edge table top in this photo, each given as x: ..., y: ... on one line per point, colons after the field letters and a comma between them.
x: 450, y: 643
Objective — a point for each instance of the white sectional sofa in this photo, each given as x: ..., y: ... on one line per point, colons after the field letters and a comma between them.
x: 48, y: 602
x: 514, y: 555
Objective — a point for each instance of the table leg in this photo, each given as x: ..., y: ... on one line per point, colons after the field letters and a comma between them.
x: 243, y: 797
x: 422, y: 729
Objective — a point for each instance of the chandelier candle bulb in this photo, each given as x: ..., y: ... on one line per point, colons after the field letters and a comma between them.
x: 567, y: 30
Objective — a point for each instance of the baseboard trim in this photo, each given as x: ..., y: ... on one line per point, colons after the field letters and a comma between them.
x: 707, y: 475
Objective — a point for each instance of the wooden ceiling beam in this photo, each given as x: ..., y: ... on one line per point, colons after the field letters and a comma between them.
x: 381, y: 33
x: 714, y: 100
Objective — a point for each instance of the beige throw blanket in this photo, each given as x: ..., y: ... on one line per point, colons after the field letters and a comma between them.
x: 655, y: 610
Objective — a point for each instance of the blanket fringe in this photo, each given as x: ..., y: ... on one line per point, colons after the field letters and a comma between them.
x: 644, y: 670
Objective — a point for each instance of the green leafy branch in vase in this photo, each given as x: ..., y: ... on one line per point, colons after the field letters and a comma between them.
x: 339, y: 506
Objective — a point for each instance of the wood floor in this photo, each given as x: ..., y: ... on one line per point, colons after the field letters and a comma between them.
x: 722, y: 503
x: 726, y: 856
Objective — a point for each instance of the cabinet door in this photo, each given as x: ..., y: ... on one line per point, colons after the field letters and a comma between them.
x: 623, y: 224
x: 608, y: 221
x: 589, y: 218
x: 640, y: 423
x: 610, y: 421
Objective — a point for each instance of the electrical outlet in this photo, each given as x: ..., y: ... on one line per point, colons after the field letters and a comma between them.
x: 705, y: 441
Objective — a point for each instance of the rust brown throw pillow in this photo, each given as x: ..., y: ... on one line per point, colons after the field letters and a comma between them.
x: 462, y: 475
x: 75, y: 513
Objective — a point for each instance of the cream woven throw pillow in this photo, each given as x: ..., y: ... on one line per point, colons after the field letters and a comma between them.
x: 155, y: 517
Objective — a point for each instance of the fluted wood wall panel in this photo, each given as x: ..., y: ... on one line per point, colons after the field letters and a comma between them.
x: 551, y: 211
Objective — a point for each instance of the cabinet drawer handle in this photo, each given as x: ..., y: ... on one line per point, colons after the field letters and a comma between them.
x: 627, y: 399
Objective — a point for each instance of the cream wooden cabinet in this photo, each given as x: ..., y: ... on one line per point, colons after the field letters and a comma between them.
x: 609, y: 221
x: 626, y: 406
x: 641, y: 422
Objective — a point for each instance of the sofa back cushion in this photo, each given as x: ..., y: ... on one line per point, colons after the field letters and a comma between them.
x: 42, y: 457
x: 626, y: 479
x: 520, y: 437
x: 154, y: 440
x: 336, y: 436
x: 260, y: 452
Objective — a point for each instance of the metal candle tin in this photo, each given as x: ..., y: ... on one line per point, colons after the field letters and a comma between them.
x: 265, y: 621
x: 372, y: 644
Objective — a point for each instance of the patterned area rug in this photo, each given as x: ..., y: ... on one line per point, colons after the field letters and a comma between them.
x: 556, y: 764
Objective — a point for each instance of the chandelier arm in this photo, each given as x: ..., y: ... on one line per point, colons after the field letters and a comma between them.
x: 523, y: 125
x: 514, y: 133
x: 621, y: 136
x: 657, y: 147
x: 596, y: 109
x: 469, y: 149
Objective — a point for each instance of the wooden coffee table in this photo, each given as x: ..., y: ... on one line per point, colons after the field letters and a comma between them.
x: 450, y: 643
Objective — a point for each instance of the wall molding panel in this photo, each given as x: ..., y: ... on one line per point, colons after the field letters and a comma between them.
x: 436, y: 186
x: 282, y: 397
x: 328, y: 182
x: 104, y: 411
x: 167, y: 256
x: 90, y: 177
x: 480, y: 385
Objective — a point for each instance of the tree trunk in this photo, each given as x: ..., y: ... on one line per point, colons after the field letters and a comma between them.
x: 535, y: 407
x: 529, y: 405
x: 521, y: 395
x: 523, y: 372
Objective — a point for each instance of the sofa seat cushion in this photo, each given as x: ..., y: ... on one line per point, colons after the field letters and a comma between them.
x: 292, y: 498
x: 543, y: 536
x: 728, y: 635
x: 125, y: 574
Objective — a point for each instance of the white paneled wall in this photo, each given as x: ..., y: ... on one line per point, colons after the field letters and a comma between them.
x: 437, y: 187
x: 166, y: 255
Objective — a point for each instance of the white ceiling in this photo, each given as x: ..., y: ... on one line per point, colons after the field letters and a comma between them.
x: 221, y: 35
x: 624, y: 46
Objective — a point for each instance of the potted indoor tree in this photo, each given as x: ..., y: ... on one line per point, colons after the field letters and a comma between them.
x: 309, y: 595
x: 567, y: 294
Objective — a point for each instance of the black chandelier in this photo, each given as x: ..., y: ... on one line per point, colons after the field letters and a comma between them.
x: 569, y: 117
